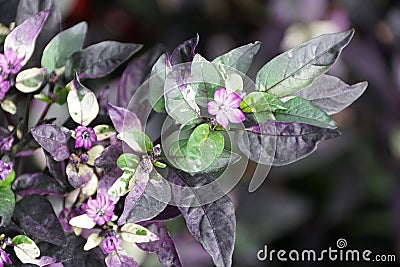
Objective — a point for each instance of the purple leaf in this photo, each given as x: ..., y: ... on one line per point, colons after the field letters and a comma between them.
x: 100, y: 59
x: 120, y: 259
x: 108, y: 160
x: 164, y: 247
x: 184, y: 52
x: 134, y: 76
x: 123, y: 119
x: 105, y: 184
x: 281, y: 143
x: 52, y: 139
x: 150, y: 203
x: 79, y: 175
x: 142, y: 176
x: 36, y: 217
x: 56, y: 169
x: 46, y: 261
x: 107, y: 95
x: 332, y: 95
x: 6, y: 140
x: 213, y: 225
x: 22, y: 39
x: 26, y: 9
x: 71, y: 254
x: 37, y: 184
x: 170, y: 212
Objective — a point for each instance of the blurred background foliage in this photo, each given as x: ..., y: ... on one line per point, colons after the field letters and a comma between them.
x: 350, y: 187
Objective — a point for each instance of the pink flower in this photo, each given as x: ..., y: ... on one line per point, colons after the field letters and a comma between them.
x: 85, y: 137
x: 100, y: 210
x: 4, y: 87
x: 4, y: 258
x: 110, y: 244
x: 226, y: 107
x: 9, y: 62
x: 5, y: 169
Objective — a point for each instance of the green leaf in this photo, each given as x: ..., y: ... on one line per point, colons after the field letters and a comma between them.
x: 226, y: 159
x: 61, y: 94
x: 239, y: 59
x: 128, y: 162
x: 261, y: 102
x: 302, y: 111
x: 21, y: 239
x: 297, y: 68
x: 205, y: 79
x: 7, y: 201
x: 200, y: 135
x: 159, y: 164
x: 62, y: 46
x: 264, y: 116
x: 156, y: 84
x: 43, y: 98
x: 198, y: 152
x: 181, y: 95
x: 30, y: 80
x: 177, y: 151
x: 8, y: 181
x: 137, y: 140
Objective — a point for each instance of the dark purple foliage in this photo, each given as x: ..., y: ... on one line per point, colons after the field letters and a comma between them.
x: 100, y: 59
x: 281, y: 143
x: 170, y: 212
x: 53, y: 139
x: 71, y: 253
x: 133, y: 196
x: 213, y: 225
x: 164, y: 247
x: 52, y: 26
x: 184, y: 52
x: 332, y: 95
x: 108, y: 160
x: 29, y: 215
x: 150, y: 203
x: 134, y: 76
x: 37, y: 184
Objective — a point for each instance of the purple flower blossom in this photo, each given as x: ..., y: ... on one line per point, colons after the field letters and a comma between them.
x: 5, y: 169
x: 226, y: 107
x: 9, y: 62
x: 110, y: 244
x: 85, y: 137
x: 6, y: 143
x: 100, y: 210
x: 4, y: 87
x: 4, y: 258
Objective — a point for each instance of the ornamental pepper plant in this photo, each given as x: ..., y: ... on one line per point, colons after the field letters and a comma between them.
x: 123, y: 155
